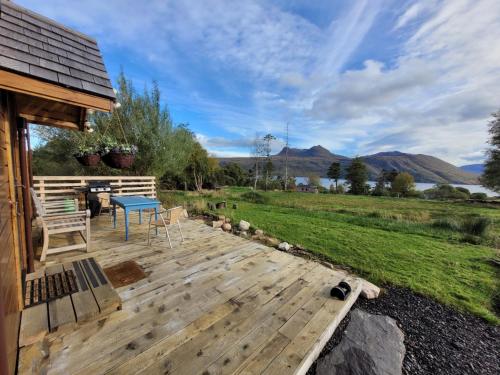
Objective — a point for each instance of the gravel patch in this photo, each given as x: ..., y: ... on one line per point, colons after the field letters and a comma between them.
x: 438, y: 339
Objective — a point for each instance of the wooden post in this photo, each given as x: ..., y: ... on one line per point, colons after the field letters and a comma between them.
x: 25, y: 181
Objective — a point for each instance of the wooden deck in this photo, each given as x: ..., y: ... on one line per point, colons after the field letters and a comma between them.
x: 215, y: 304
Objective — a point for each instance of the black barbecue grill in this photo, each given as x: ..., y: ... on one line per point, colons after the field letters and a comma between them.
x: 91, y: 190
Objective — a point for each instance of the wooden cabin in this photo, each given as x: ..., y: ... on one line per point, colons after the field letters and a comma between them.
x: 49, y: 75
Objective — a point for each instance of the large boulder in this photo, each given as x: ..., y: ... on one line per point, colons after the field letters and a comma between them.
x: 372, y: 345
x: 244, y: 225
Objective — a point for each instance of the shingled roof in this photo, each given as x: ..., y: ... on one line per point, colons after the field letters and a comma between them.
x: 38, y: 47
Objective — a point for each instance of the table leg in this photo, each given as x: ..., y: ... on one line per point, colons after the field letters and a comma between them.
x: 126, y: 225
x: 156, y: 220
x: 140, y: 216
x: 114, y: 215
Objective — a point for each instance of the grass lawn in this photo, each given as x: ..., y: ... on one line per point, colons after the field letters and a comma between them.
x: 385, y: 240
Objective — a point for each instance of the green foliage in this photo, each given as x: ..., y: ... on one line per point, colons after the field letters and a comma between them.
x: 444, y: 191
x: 479, y: 196
x: 446, y: 223
x: 141, y: 121
x: 357, y: 176
x: 476, y: 226
x: 491, y: 174
x: 314, y: 180
x: 463, y: 190
x: 403, y: 184
x: 232, y: 174
x: 334, y: 172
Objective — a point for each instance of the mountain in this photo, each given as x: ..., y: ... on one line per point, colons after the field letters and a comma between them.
x: 473, y: 168
x: 317, y: 159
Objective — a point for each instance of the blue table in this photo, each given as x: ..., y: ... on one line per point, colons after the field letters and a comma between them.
x: 133, y: 203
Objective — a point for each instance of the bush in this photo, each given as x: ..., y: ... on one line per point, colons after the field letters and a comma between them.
x: 463, y: 190
x: 479, y: 196
x: 476, y: 226
x: 254, y: 197
x: 445, y: 191
x: 446, y: 223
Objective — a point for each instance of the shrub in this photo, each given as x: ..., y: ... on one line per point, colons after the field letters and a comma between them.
x: 476, y: 226
x: 254, y: 197
x: 445, y: 191
x: 463, y: 190
x: 469, y: 238
x: 446, y: 223
x: 479, y: 196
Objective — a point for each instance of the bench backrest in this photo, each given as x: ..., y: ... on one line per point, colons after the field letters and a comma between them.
x: 60, y: 187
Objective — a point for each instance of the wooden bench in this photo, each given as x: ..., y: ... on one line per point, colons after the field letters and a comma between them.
x: 62, y: 217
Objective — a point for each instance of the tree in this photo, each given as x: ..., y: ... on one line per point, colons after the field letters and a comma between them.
x: 357, y: 176
x: 141, y: 120
x: 334, y: 172
x: 268, y: 138
x: 257, y: 154
x: 198, y: 166
x: 380, y: 188
x: 403, y: 184
x: 314, y: 180
x: 491, y: 174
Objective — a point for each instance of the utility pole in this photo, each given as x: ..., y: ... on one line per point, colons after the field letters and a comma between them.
x: 286, y: 158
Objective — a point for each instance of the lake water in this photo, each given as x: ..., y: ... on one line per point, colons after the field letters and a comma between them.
x: 419, y: 185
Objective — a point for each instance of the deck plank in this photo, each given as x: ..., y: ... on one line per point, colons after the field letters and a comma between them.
x: 215, y: 303
x: 61, y: 313
x: 34, y: 320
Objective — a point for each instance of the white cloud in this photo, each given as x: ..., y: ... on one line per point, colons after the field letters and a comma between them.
x: 433, y: 95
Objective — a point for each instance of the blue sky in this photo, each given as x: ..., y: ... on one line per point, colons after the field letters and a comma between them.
x: 357, y: 77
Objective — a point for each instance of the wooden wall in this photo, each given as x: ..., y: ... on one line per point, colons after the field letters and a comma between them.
x: 10, y: 262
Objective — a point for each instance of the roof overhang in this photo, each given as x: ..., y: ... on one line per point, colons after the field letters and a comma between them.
x: 44, y: 103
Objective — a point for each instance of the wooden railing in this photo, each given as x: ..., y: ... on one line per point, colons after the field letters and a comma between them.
x: 57, y: 187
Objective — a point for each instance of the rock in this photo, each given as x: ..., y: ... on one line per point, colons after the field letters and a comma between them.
x: 285, y: 246
x: 326, y: 264
x: 369, y: 290
x: 244, y: 225
x: 259, y: 232
x: 228, y: 220
x: 271, y: 241
x: 226, y: 227
x: 372, y: 345
x: 243, y: 233
x: 217, y: 223
x: 185, y: 213
x: 222, y: 217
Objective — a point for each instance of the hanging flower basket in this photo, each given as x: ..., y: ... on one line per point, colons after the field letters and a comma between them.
x: 88, y: 160
x: 118, y: 160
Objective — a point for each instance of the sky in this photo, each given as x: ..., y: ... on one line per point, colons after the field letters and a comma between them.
x: 355, y: 76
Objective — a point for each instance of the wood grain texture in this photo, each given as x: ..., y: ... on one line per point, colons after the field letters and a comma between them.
x: 215, y: 303
x: 10, y: 263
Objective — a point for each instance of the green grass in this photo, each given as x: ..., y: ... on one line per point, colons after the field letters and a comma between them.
x: 386, y: 240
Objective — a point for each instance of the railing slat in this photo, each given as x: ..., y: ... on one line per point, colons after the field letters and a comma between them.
x: 51, y: 187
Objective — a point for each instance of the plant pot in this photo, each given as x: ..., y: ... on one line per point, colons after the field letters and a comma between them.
x: 118, y: 160
x: 90, y: 160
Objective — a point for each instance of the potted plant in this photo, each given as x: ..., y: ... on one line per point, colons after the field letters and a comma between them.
x: 87, y: 151
x: 117, y: 155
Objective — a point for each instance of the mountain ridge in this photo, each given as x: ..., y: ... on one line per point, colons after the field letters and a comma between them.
x: 317, y: 159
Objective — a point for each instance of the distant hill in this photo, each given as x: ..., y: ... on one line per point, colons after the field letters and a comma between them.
x: 473, y: 168
x: 317, y: 159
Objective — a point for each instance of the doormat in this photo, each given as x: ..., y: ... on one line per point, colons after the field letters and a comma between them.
x: 124, y: 273
x: 49, y: 287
